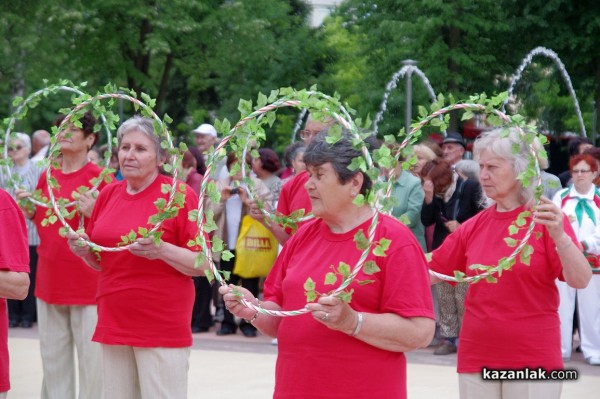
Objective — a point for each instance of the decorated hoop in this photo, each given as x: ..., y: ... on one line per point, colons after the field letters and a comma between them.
x: 303, y: 99
x: 512, y: 121
x: 147, y: 111
x: 485, y: 106
x: 21, y: 112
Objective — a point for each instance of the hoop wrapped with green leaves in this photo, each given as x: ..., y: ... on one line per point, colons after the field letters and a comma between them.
x: 23, y: 106
x: 250, y: 128
x: 165, y: 209
x: 485, y: 105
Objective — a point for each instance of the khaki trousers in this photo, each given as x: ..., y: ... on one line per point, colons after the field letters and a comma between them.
x: 472, y: 386
x: 62, y: 329
x: 145, y: 373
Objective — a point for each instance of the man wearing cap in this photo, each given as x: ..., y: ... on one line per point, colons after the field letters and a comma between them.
x: 453, y: 148
x: 206, y: 138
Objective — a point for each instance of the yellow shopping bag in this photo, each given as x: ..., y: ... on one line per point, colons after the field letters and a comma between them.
x: 255, y: 249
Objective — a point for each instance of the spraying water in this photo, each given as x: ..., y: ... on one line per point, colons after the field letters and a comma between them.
x: 406, y: 70
x: 561, y: 67
x: 298, y: 123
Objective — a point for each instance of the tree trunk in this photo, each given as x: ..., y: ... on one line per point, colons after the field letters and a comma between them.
x: 164, y: 83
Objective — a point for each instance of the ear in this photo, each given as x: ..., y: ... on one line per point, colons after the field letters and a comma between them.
x: 356, y: 183
x: 89, y: 140
x: 162, y: 158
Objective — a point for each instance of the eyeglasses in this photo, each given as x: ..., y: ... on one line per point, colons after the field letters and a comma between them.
x: 15, y: 148
x: 580, y: 171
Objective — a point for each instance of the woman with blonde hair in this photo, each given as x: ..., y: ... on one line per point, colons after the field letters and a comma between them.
x: 424, y: 154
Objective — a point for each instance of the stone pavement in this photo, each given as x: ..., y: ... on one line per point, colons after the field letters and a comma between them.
x: 235, y: 366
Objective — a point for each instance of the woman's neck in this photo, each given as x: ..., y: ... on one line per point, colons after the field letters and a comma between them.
x: 263, y: 174
x: 21, y: 162
x: 73, y: 162
x: 508, y: 204
x: 347, y: 221
x: 583, y: 190
x: 137, y: 186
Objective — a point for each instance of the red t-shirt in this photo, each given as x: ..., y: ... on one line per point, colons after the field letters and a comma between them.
x: 317, y: 362
x: 513, y: 323
x: 142, y: 302
x: 62, y: 277
x: 293, y: 196
x: 14, y: 257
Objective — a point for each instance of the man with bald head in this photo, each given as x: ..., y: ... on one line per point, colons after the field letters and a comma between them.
x: 40, y: 142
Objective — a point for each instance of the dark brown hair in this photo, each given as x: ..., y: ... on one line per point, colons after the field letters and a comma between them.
x: 440, y: 174
x: 88, y: 121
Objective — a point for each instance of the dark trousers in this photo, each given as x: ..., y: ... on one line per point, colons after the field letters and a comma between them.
x: 25, y: 310
x: 201, y: 316
x: 251, y: 284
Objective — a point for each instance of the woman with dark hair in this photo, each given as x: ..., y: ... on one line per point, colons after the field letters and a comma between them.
x: 581, y: 203
x: 65, y: 288
x: 332, y: 351
x: 265, y: 167
x: 228, y: 214
x: 449, y: 201
x: 292, y: 157
x: 200, y: 164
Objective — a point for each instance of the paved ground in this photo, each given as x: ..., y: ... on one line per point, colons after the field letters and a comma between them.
x: 228, y: 367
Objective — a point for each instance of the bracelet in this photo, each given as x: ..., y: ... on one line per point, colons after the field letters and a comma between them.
x: 358, y: 325
x: 255, y: 314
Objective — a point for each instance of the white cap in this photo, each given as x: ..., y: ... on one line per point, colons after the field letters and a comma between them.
x: 205, y: 128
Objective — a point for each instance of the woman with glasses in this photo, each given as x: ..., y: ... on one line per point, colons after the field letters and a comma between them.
x: 66, y: 288
x: 581, y: 203
x: 27, y: 173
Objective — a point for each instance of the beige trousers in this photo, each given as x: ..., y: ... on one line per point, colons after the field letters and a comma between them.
x: 62, y: 330
x: 145, y: 373
x: 472, y: 386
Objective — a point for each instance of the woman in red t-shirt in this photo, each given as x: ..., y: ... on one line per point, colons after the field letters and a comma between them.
x: 340, y: 349
x: 65, y: 289
x: 513, y: 324
x: 145, y: 293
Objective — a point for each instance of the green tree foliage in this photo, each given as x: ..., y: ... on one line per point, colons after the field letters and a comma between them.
x: 571, y: 29
x: 257, y: 47
x: 197, y: 58
x: 454, y: 42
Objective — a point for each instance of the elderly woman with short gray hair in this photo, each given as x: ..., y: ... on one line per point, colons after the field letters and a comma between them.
x: 145, y: 293
x: 513, y: 324
x: 27, y: 173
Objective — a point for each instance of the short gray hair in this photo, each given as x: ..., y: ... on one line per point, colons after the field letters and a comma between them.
x: 469, y: 168
x: 501, y: 142
x: 146, y: 126
x: 25, y: 139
